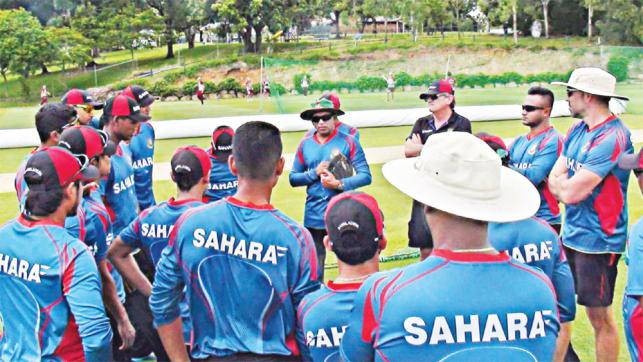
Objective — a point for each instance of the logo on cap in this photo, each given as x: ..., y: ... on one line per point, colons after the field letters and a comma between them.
x: 34, y: 170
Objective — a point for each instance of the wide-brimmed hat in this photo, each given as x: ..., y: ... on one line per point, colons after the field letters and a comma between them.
x: 593, y: 81
x: 460, y: 174
x: 318, y: 106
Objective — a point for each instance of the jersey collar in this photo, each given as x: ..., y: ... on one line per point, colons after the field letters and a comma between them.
x: 236, y: 202
x: 333, y: 134
x: 470, y: 257
x: 606, y: 121
x: 530, y: 137
x: 25, y: 221
x: 343, y: 287
x: 173, y: 202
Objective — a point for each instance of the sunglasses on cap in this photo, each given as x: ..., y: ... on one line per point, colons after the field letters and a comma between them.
x: 324, y: 118
x: 85, y: 107
x: 571, y: 91
x: 83, y: 162
x: 527, y: 108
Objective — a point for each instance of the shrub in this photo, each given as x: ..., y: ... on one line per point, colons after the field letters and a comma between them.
x: 365, y: 83
x: 189, y: 87
x: 403, y: 79
x: 230, y: 85
x: 618, y: 67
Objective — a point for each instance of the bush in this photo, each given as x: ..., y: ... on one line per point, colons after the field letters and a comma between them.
x: 230, y: 85
x: 365, y: 83
x: 189, y: 87
x: 126, y: 83
x: 403, y: 79
x: 618, y: 67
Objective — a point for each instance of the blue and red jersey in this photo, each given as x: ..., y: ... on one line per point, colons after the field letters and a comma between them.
x: 497, y: 309
x: 20, y: 183
x: 118, y: 190
x: 322, y: 317
x: 142, y: 147
x: 598, y: 224
x: 230, y: 251
x: 51, y: 305
x: 76, y: 225
x: 222, y: 182
x: 535, y: 243
x: 632, y: 308
x: 343, y: 128
x: 534, y: 157
x: 310, y: 153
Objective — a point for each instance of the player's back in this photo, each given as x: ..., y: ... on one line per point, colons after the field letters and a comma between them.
x: 455, y: 307
x: 46, y: 260
x: 142, y: 147
x: 322, y: 318
x: 250, y: 266
x: 222, y: 182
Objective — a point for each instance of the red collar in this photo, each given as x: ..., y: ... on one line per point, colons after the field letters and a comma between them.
x: 173, y: 202
x: 249, y: 205
x: 470, y: 257
x: 341, y: 287
x: 608, y: 120
x: 32, y: 223
x: 530, y: 137
x: 333, y: 134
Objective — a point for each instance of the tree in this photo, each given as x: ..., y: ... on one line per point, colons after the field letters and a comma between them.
x: 545, y: 4
x: 68, y: 46
x: 591, y: 6
x: 195, y: 16
x: 250, y: 17
x: 173, y: 13
x: 623, y: 22
x: 129, y: 28
x: 337, y: 8
x: 23, y: 36
x: 460, y: 7
x: 435, y: 13
x: 384, y: 8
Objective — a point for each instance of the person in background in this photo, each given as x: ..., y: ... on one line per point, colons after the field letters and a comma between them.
x: 304, y: 85
x: 44, y: 94
x: 390, y: 86
x: 200, y: 90
x: 222, y: 181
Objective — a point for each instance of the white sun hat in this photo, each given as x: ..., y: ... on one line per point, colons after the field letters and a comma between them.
x: 460, y: 174
x: 593, y: 81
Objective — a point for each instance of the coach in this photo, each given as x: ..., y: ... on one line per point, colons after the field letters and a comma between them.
x: 441, y: 100
x: 311, y: 168
x: 588, y: 180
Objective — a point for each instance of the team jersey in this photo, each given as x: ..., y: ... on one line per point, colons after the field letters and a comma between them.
x: 151, y: 232
x: 310, y: 153
x: 535, y: 243
x: 118, y: 190
x: 268, y: 263
x: 598, y: 224
x: 76, y: 225
x: 321, y: 320
x: 222, y: 182
x: 632, y: 309
x: 342, y: 127
x: 142, y: 147
x: 95, y: 122
x: 51, y: 305
x: 20, y: 183
x: 497, y: 309
x: 534, y: 157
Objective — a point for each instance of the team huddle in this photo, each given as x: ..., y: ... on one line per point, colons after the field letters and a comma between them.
x: 94, y: 268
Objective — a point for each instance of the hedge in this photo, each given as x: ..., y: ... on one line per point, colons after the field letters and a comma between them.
x: 617, y: 66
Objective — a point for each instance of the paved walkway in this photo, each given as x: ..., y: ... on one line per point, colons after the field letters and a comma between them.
x: 375, y: 155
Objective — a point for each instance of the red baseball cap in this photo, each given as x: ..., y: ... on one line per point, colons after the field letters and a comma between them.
x: 222, y: 143
x: 53, y: 168
x: 139, y: 94
x: 192, y: 160
x: 441, y: 86
x: 88, y: 141
x: 123, y: 106
x: 78, y: 96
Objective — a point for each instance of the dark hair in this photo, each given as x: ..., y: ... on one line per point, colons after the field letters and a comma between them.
x: 603, y: 100
x: 44, y: 202
x: 184, y: 179
x: 47, y: 113
x: 543, y: 92
x: 452, y: 105
x: 256, y: 147
x: 354, y: 252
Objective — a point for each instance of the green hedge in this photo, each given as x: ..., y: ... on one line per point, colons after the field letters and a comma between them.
x: 618, y: 66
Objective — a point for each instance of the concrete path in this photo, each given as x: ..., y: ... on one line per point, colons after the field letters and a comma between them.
x: 375, y: 155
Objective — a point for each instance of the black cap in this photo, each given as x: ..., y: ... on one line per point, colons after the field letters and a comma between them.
x: 191, y: 160
x: 355, y: 226
x: 222, y: 143
x: 79, y: 96
x: 53, y: 168
x: 139, y: 94
x: 54, y: 117
x: 441, y: 86
x: 88, y: 141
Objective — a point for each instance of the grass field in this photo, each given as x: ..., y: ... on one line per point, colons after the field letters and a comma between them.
x: 395, y: 205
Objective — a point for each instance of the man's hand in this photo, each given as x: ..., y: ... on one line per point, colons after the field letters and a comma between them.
x: 322, y: 168
x: 329, y: 181
x: 415, y: 139
x: 127, y: 333
x: 413, y: 146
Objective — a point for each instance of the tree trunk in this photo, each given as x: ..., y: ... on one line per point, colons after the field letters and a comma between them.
x: 190, y: 36
x: 515, y: 16
x: 546, y: 17
x: 258, y: 39
x: 457, y: 21
x: 44, y: 69
x: 385, y: 29
x: 374, y: 24
x: 170, y: 49
x: 590, y: 13
x: 337, y: 12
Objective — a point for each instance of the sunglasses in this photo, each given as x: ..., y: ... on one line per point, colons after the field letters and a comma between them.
x: 83, y: 162
x: 85, y: 107
x: 571, y: 91
x: 527, y: 108
x: 433, y: 97
x: 324, y: 118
